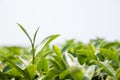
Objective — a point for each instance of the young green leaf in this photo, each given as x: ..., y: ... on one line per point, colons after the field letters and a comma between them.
x: 63, y: 74
x: 111, y: 44
x: 25, y: 32
x: 67, y: 45
x: 47, y: 41
x: 58, y: 65
x: 34, y: 38
x: 52, y: 73
x: 85, y: 55
x: 32, y: 70
x: 42, y: 66
x: 57, y: 50
x: 111, y: 54
x: 92, y: 47
x: 33, y: 45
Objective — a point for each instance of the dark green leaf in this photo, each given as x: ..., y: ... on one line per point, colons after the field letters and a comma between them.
x: 3, y: 76
x: 118, y: 74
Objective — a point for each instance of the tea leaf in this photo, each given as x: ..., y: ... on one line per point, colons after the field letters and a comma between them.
x: 25, y: 32
x: 57, y: 50
x: 25, y: 74
x: 32, y: 70
x: 76, y: 73
x: 118, y: 74
x: 52, y: 73
x: 34, y: 38
x: 47, y: 41
x: 42, y: 66
x: 3, y: 76
x: 110, y: 54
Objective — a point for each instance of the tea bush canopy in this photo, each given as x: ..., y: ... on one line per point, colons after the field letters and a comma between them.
x: 73, y: 60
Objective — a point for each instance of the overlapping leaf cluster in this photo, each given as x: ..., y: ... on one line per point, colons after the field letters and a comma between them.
x: 72, y: 60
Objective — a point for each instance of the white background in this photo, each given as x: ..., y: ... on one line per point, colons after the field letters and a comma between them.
x: 79, y: 19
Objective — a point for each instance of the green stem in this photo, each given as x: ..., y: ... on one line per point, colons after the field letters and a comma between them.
x: 33, y: 52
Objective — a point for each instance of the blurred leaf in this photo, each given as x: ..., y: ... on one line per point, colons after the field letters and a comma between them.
x: 98, y: 43
x: 85, y: 55
x: 69, y: 59
x: 3, y: 76
x: 88, y: 53
x: 111, y: 54
x: 92, y: 47
x: 107, y: 68
x: 57, y: 50
x: 118, y: 74
x: 32, y: 70
x: 47, y: 41
x: 6, y: 68
x: 67, y: 45
x: 82, y: 59
x: 47, y: 53
x: 111, y: 44
x: 42, y: 66
x: 25, y: 74
x: 90, y: 72
x: 52, y: 73
x: 13, y: 73
x: 57, y: 64
x: 63, y: 74
x: 76, y: 73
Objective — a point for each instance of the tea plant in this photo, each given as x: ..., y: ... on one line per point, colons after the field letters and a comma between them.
x: 97, y: 60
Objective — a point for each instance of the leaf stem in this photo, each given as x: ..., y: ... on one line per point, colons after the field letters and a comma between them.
x: 33, y: 52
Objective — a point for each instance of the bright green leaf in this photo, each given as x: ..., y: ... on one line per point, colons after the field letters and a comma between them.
x: 42, y: 66
x: 47, y: 41
x: 32, y: 70
x: 57, y: 50
x: 52, y: 73
x: 111, y: 54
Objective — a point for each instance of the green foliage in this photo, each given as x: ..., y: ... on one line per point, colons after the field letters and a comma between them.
x: 42, y: 66
x: 32, y: 41
x: 97, y: 60
x: 118, y: 73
